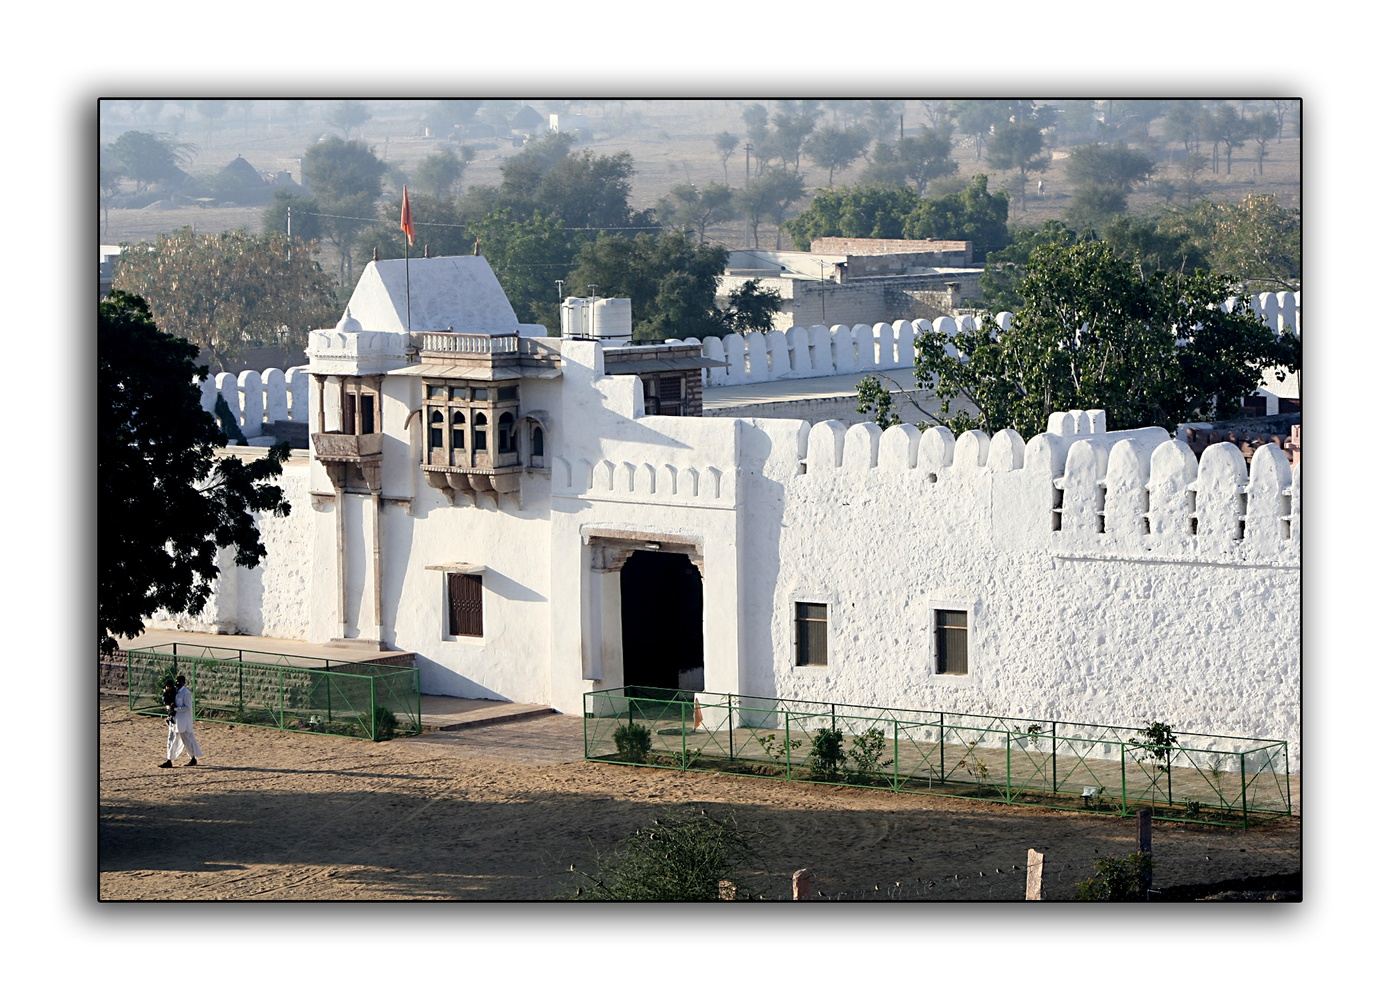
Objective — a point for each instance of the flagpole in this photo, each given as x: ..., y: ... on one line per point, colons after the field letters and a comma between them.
x: 408, y: 284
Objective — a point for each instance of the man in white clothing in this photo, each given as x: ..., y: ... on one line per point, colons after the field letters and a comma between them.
x: 181, y: 735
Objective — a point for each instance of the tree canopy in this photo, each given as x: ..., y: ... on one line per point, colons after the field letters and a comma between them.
x: 1103, y: 175
x: 227, y: 292
x: 1153, y: 349
x: 836, y: 148
x: 345, y: 178
x: 915, y: 160
x: 670, y: 280
x: 862, y: 212
x: 168, y: 503
x: 693, y: 209
x: 149, y: 159
x: 972, y: 214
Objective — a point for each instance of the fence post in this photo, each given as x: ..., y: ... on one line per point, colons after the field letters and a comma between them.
x: 1008, y: 766
x: 586, y: 754
x: 281, y: 698
x: 1054, y: 760
x: 373, y: 720
x: 1287, y: 779
x: 1123, y: 777
x: 729, y: 699
x: 1035, y: 866
x: 942, y: 772
x: 684, y: 762
x: 1144, y: 818
x: 1169, y: 774
x: 1244, y: 793
x: 802, y: 883
x: 787, y: 742
x: 240, y: 684
x: 896, y: 755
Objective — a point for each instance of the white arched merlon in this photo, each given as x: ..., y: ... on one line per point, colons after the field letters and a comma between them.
x: 824, y: 446
x: 1221, y: 479
x: 801, y: 351
x: 968, y: 324
x: 1125, y: 488
x: 823, y: 362
x: 1081, y: 422
x: 936, y: 446
x: 899, y: 448
x: 861, y: 449
x: 756, y: 347
x: 1170, y: 501
x: 1045, y: 456
x: 208, y: 392
x: 1007, y: 451
x: 1288, y: 311
x: 1081, y: 502
x: 779, y: 359
x: 299, y: 379
x: 250, y: 387
x: 713, y: 349
x: 864, y: 338
x: 971, y: 449
x: 1004, y: 320
x: 1098, y: 421
x: 227, y: 384
x: 1061, y: 424
x: 275, y: 387
x: 904, y: 334
x: 945, y: 326
x: 883, y: 337
x: 843, y: 349
x: 1266, y: 524
x: 734, y: 359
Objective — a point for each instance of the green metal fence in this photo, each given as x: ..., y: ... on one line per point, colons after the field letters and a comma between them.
x: 1201, y: 778
x: 371, y: 701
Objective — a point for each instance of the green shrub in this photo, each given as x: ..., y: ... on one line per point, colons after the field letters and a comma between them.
x: 826, y: 759
x: 386, y: 723
x: 680, y: 857
x: 1117, y: 880
x: 867, y: 756
x: 633, y: 742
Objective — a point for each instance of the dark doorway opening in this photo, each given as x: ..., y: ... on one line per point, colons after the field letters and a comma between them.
x: 663, y: 638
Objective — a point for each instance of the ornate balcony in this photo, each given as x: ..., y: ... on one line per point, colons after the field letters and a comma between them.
x: 334, y: 446
x: 470, y: 343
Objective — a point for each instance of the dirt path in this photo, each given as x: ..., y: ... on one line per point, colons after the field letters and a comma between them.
x: 501, y: 812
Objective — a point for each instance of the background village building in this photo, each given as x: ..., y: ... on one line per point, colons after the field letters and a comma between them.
x: 504, y: 505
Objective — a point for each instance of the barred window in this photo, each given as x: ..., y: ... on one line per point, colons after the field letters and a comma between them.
x: 464, y: 604
x: 950, y: 642
x: 811, y: 635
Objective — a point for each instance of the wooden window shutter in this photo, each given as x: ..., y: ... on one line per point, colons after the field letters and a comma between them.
x: 464, y: 604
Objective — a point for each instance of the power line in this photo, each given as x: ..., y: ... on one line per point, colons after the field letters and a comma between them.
x: 463, y: 225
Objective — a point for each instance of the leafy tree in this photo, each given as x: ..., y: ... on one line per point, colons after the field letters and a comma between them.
x: 347, y: 115
x: 670, y: 280
x: 1258, y: 240
x: 584, y: 189
x: 345, y: 178
x: 751, y: 307
x: 109, y: 180
x: 1263, y: 129
x: 1077, y: 122
x: 1103, y: 176
x: 168, y: 503
x: 1001, y: 281
x: 680, y: 857
x: 445, y: 229
x: 1153, y: 246
x: 755, y: 122
x: 726, y: 143
x: 528, y: 256
x: 447, y: 115
x: 972, y: 214
x: 836, y: 148
x: 768, y: 197
x: 149, y: 159
x: 1094, y: 331
x: 977, y: 119
x: 225, y: 292
x: 695, y: 209
x: 881, y: 118
x: 790, y: 131
x: 861, y: 212
x: 1231, y: 130
x: 440, y: 172
x: 1020, y: 146
x: 306, y: 218
x: 1183, y: 124
x: 915, y: 160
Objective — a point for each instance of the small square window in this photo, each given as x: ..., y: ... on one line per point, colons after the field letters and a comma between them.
x: 950, y: 642
x: 811, y: 635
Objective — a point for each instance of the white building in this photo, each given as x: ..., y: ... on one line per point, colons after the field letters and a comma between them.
x: 498, y: 505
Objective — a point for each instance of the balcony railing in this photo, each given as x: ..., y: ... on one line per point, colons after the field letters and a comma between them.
x: 470, y: 343
x: 333, y: 446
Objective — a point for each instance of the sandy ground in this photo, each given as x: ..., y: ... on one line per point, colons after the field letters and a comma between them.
x: 500, y: 813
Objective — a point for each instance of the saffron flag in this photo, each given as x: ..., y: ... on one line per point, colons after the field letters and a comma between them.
x: 406, y: 217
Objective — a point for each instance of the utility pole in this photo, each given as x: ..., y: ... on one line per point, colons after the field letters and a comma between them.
x: 289, y: 234
x: 748, y: 148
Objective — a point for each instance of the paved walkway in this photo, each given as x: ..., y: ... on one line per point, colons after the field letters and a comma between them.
x: 719, y: 397
x: 257, y: 644
x: 540, y: 739
x: 451, y: 714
